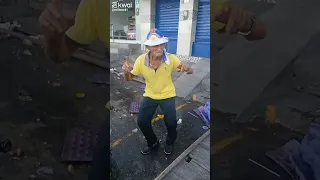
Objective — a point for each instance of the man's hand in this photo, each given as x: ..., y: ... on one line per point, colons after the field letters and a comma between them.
x: 238, y: 19
x: 185, y: 68
x: 52, y: 20
x: 127, y: 67
x: 235, y: 18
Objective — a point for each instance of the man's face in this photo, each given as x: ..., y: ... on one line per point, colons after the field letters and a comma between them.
x: 156, y: 50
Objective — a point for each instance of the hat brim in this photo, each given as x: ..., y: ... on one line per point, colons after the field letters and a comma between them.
x: 157, y: 42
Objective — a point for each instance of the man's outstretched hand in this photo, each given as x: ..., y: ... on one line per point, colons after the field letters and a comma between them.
x: 52, y: 20
x: 185, y: 68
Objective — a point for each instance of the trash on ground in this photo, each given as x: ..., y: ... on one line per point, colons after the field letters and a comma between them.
x: 134, y: 91
x: 143, y: 86
x: 19, y: 152
x: 272, y: 115
x: 100, y: 78
x: 117, y: 92
x: 179, y: 121
x: 5, y: 145
x: 192, y: 115
x: 71, y: 169
x: 27, y: 52
x: 9, y: 25
x: 135, y: 130
x: 80, y: 95
x: 205, y: 127
x: 27, y: 42
x: 301, y: 160
x: 79, y: 141
x: 265, y: 168
x: 204, y: 113
x: 56, y: 84
x: 45, y: 170
x: 32, y: 177
x: 134, y: 107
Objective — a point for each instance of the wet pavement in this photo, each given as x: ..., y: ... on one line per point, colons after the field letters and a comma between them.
x: 233, y: 144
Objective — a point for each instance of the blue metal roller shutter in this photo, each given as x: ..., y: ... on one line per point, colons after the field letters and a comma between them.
x: 167, y: 21
x: 201, y: 46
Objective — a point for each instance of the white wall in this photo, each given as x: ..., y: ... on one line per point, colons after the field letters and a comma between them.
x: 187, y: 28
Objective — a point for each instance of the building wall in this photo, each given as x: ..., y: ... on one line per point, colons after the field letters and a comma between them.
x: 145, y: 20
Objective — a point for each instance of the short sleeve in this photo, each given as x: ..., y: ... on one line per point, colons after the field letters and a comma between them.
x: 137, y: 67
x: 175, y: 61
x: 84, y: 31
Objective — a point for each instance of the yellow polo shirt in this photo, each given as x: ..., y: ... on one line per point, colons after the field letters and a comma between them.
x: 91, y: 22
x: 217, y: 6
x: 159, y: 83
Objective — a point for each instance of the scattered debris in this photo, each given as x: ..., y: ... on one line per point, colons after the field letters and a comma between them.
x: 117, y: 92
x: 19, y: 152
x: 27, y: 42
x: 38, y: 119
x: 143, y: 86
x: 126, y: 88
x: 27, y: 52
x: 134, y: 91
x: 272, y: 115
x: 192, y: 115
x: 179, y: 121
x: 9, y: 25
x: 300, y: 159
x: 32, y: 177
x: 24, y: 96
x: 134, y: 107
x: 135, y: 130
x: 204, y: 113
x: 205, y: 127
x: 37, y: 164
x: 71, y: 169
x: 56, y: 84
x: 80, y: 95
x: 265, y: 168
x: 45, y: 170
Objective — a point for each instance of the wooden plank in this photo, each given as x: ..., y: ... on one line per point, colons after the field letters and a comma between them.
x: 183, y: 155
x: 202, y: 156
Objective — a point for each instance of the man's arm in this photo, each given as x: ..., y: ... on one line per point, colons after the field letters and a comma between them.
x: 233, y: 18
x: 62, y: 39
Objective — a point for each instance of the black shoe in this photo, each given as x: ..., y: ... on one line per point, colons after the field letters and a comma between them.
x: 147, y: 150
x: 168, y: 149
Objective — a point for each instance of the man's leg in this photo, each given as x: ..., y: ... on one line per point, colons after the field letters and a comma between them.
x: 168, y: 106
x: 101, y: 156
x: 147, y: 108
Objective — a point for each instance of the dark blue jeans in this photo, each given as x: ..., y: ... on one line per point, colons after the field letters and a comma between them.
x: 148, y: 107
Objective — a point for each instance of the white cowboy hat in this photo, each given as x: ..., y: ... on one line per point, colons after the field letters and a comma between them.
x: 155, y: 37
